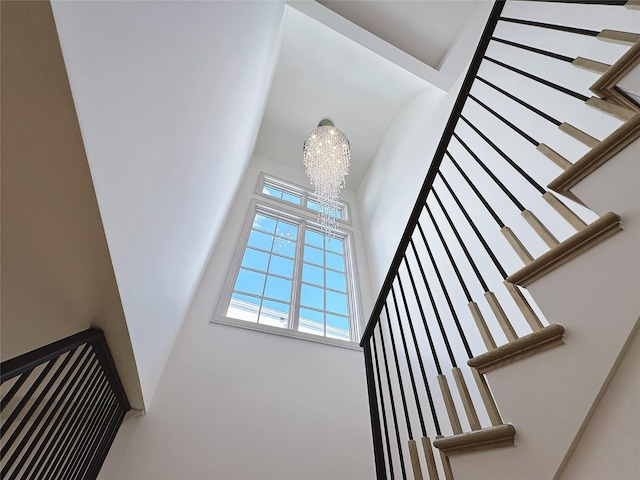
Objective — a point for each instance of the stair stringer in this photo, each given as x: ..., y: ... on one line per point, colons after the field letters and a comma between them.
x: 550, y: 397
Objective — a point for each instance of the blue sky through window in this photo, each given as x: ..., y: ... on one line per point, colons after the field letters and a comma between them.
x: 266, y: 280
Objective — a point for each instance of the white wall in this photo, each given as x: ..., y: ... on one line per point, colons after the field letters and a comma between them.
x: 610, y: 444
x: 240, y: 404
x: 169, y: 97
x: 390, y: 188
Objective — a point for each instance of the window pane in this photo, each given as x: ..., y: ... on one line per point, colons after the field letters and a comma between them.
x: 335, y: 261
x: 278, y: 288
x: 274, y: 192
x: 284, y: 247
x: 312, y: 297
x: 260, y: 240
x: 335, y: 245
x: 313, y: 255
x: 267, y: 224
x: 281, y: 266
x: 311, y: 321
x: 287, y: 230
x: 337, y: 302
x: 290, y: 197
x: 264, y: 287
x: 249, y: 282
x: 243, y: 307
x: 255, y: 259
x: 336, y: 281
x: 337, y: 327
x: 275, y: 314
x: 311, y: 274
x: 313, y: 238
x: 313, y: 205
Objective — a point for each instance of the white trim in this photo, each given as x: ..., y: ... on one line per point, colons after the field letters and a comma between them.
x: 305, y: 195
x: 285, y: 332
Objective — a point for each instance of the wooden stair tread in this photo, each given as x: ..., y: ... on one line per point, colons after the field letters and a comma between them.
x: 535, y: 342
x: 604, y: 87
x: 573, y: 246
x: 596, y: 157
x: 492, y: 437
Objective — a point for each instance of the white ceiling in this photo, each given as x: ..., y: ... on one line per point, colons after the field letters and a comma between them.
x: 428, y: 28
x: 323, y: 72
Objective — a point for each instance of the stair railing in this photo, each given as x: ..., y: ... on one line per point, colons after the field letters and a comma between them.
x: 448, y: 301
x: 61, y: 407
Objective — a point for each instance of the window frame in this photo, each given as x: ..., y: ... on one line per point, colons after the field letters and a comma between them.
x: 304, y: 194
x: 301, y: 216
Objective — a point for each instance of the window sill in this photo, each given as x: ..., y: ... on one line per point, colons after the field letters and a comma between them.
x: 286, y: 333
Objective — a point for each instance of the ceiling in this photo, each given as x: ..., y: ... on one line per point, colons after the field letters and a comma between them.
x: 358, y: 71
x: 425, y: 30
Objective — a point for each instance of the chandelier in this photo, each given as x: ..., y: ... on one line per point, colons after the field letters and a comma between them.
x: 326, y: 163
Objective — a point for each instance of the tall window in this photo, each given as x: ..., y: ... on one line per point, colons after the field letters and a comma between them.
x: 288, y: 274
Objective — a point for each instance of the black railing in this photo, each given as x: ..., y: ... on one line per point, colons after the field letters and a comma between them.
x: 446, y: 297
x: 61, y: 407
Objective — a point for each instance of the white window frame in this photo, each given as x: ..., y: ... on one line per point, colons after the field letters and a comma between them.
x: 304, y: 194
x: 302, y: 216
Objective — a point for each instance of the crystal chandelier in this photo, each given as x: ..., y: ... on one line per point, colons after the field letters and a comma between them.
x: 326, y: 162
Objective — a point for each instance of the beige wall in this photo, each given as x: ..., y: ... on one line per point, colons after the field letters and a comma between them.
x: 57, y: 277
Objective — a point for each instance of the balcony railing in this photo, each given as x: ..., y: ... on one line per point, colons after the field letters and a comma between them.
x: 524, y: 115
x: 62, y: 405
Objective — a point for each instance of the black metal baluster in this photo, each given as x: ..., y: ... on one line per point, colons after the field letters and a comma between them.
x: 519, y: 101
x: 79, y: 426
x: 20, y: 406
x: 400, y: 382
x: 445, y: 292
x: 110, y: 434
x: 60, y: 401
x: 544, y: 82
x: 104, y: 410
x: 500, y: 152
x: 467, y: 254
x: 546, y: 53
x: 518, y: 130
x: 384, y: 410
x: 14, y: 389
x: 434, y: 354
x: 483, y: 200
x: 415, y: 341
x: 550, y: 26
x: 20, y: 449
x: 406, y: 352
x: 64, y: 436
x: 493, y: 177
x: 393, y: 404
x: 473, y: 226
x: 49, y: 443
x: 375, y: 416
x: 97, y: 410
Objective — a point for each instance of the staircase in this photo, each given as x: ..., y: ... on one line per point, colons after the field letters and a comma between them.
x: 514, y: 293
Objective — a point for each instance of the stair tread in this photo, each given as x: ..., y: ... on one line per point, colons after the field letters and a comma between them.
x: 604, y: 87
x: 596, y: 157
x: 491, y: 437
x: 547, y: 337
x: 570, y: 248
